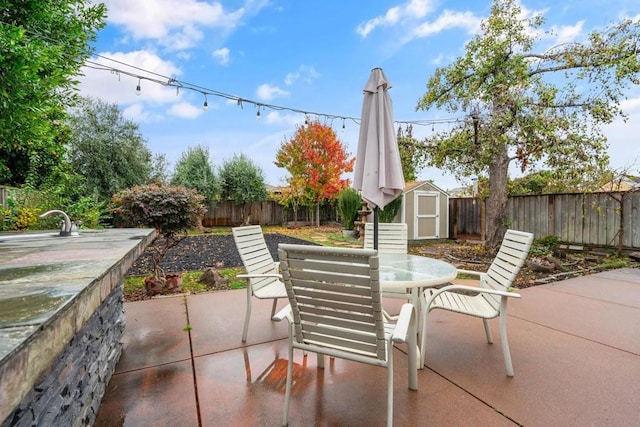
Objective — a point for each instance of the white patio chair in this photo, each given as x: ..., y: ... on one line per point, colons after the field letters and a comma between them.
x: 392, y: 237
x: 335, y: 309
x: 490, y: 299
x: 263, y: 280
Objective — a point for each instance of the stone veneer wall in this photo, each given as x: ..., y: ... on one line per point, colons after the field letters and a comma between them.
x: 71, y: 391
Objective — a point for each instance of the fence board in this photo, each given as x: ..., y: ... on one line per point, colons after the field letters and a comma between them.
x: 582, y: 219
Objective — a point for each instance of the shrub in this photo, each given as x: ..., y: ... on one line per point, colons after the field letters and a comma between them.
x: 349, y: 204
x: 171, y: 210
x: 390, y: 211
x: 545, y: 245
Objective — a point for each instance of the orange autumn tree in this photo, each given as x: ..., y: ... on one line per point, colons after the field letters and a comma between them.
x: 316, y: 160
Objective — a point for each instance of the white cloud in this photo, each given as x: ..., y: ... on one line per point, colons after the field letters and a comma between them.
x: 305, y: 73
x: 277, y: 118
x: 412, y: 10
x: 567, y: 33
x: 138, y: 114
x: 185, y: 110
x: 120, y: 87
x: 390, y: 18
x: 448, y: 20
x: 267, y: 92
x: 174, y: 23
x: 419, y: 8
x: 222, y: 55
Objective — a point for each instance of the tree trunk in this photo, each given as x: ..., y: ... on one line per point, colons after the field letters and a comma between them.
x: 497, y: 201
x: 318, y: 214
x: 246, y: 214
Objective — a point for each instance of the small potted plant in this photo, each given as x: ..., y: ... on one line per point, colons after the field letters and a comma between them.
x: 349, y: 203
x: 171, y: 210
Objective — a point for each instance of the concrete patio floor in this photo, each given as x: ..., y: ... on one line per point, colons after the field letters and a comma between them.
x: 575, y: 346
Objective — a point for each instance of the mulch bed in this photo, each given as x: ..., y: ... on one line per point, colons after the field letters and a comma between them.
x: 198, y: 253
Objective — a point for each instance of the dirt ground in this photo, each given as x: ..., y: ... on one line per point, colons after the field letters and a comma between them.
x: 198, y: 253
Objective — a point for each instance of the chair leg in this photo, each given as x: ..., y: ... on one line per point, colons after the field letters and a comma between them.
x: 413, y: 354
x: 247, y: 315
x: 287, y: 394
x: 390, y: 385
x: 423, y: 336
x: 504, y: 340
x: 487, y: 331
x: 274, y: 306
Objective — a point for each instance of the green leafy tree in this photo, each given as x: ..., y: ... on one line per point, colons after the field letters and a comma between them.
x: 412, y: 155
x: 243, y: 182
x: 43, y: 45
x: 194, y: 170
x: 540, y: 182
x: 530, y: 106
x: 316, y: 160
x: 159, y: 169
x: 106, y: 148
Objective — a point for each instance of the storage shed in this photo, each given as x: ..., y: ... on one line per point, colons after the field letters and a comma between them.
x: 425, y: 210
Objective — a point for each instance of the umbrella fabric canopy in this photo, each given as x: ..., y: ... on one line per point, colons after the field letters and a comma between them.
x: 378, y: 171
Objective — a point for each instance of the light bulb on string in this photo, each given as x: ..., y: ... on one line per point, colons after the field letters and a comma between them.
x: 205, y: 106
x: 258, y: 113
x: 343, y: 125
x: 138, y: 89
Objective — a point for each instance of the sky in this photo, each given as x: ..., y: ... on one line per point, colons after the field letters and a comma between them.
x: 305, y: 56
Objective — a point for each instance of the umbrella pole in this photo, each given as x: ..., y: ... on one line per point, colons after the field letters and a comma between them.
x: 375, y: 228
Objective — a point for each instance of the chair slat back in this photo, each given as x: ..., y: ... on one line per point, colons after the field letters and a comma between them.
x: 392, y: 237
x: 254, y: 253
x: 508, y: 262
x: 334, y: 295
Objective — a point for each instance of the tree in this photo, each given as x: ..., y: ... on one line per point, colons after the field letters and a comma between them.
x: 194, y: 170
x: 43, y: 45
x: 316, y: 160
x: 243, y: 182
x: 159, y: 169
x: 529, y: 107
x: 106, y: 148
x: 540, y: 182
x: 412, y: 156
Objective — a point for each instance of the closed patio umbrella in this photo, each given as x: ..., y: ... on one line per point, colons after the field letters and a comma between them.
x: 378, y: 171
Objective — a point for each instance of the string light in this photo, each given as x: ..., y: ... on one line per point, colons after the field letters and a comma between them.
x: 205, y: 106
x: 171, y: 82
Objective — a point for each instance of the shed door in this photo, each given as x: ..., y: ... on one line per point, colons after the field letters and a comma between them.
x: 427, y: 220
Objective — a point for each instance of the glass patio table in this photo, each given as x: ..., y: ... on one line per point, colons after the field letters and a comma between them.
x: 404, y: 276
x: 401, y: 271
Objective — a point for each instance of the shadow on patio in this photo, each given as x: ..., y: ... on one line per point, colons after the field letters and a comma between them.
x: 575, y: 346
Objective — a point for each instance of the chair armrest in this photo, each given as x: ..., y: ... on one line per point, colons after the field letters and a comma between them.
x: 285, y: 313
x: 259, y: 276
x: 474, y: 289
x: 471, y: 272
x: 405, y: 324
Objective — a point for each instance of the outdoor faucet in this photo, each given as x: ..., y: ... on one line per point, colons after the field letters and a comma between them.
x: 68, y: 228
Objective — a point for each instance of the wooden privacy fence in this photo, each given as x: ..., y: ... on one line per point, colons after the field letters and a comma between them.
x: 265, y: 213
x: 592, y: 219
